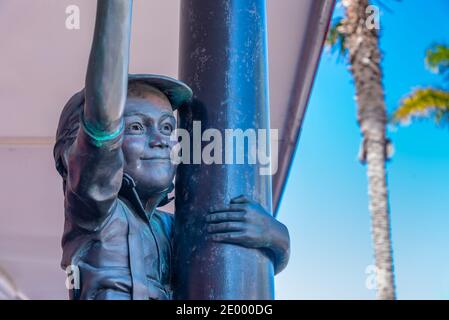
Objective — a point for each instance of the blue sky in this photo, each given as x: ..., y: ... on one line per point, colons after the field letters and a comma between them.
x: 325, y: 205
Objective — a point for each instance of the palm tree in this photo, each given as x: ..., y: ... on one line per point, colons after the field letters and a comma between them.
x: 358, y: 40
x: 428, y: 102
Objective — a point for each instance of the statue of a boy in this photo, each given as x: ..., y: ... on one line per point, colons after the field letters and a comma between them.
x: 113, y: 152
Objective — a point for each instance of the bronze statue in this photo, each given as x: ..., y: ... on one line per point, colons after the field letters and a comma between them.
x: 113, y: 152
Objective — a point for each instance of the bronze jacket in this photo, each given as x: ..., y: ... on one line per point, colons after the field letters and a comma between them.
x: 125, y: 254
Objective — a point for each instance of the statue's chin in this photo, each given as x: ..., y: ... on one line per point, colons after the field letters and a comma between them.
x: 154, y: 176
x: 154, y: 183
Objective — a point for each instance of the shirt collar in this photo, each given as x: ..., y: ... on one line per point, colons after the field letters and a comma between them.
x: 129, y: 192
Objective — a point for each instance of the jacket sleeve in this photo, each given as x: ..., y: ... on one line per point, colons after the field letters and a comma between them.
x: 95, y: 171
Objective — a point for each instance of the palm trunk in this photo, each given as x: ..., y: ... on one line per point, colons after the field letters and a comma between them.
x: 363, y: 46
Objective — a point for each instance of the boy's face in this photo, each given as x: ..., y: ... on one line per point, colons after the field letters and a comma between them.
x: 149, y: 122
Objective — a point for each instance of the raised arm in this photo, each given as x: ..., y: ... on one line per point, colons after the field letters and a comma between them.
x: 107, y: 72
x: 95, y: 160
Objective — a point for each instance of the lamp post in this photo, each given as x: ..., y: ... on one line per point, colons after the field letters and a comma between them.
x: 223, y: 58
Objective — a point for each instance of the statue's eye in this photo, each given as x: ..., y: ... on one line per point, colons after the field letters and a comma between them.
x: 135, y: 128
x: 167, y: 128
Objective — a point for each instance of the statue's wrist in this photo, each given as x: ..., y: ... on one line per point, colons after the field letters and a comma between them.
x: 100, y: 137
x: 280, y: 246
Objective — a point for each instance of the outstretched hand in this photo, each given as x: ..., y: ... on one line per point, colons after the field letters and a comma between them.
x: 246, y: 223
x: 243, y: 222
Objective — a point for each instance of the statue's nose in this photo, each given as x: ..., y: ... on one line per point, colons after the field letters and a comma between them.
x: 157, y: 141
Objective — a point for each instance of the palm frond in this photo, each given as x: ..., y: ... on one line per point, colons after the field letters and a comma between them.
x: 424, y: 103
x: 336, y: 39
x: 437, y: 58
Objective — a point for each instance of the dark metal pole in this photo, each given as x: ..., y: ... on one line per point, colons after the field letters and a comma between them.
x: 223, y: 58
